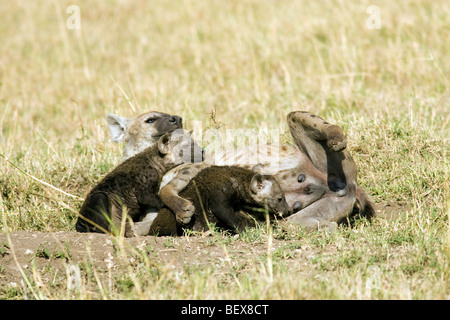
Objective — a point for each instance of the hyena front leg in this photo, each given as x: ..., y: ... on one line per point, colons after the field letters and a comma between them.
x: 181, y: 176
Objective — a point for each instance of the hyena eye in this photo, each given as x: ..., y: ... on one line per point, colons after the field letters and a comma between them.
x: 150, y: 120
x: 301, y: 178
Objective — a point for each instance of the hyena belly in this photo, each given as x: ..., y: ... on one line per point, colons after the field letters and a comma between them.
x: 298, y: 178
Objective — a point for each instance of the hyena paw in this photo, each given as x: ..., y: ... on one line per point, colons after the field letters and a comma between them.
x: 184, y: 215
x: 335, y: 138
x: 337, y: 143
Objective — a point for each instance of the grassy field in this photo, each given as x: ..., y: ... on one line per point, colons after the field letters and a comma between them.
x: 248, y: 63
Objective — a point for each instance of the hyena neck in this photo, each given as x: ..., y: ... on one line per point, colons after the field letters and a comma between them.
x: 243, y: 188
x: 133, y: 147
x: 161, y: 163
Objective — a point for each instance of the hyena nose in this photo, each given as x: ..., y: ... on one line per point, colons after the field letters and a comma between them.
x: 175, y: 119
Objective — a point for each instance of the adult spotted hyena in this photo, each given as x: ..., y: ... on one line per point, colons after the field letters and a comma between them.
x: 141, y: 132
x: 317, y: 175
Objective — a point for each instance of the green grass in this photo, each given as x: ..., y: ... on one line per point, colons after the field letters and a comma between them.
x: 249, y: 62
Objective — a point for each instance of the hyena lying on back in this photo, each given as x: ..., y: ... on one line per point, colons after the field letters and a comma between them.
x: 318, y: 176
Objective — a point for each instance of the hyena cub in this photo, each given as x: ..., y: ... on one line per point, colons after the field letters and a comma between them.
x: 132, y: 187
x: 218, y: 193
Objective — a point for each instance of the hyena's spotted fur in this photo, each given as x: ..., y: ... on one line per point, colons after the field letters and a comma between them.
x: 317, y: 175
x: 301, y: 182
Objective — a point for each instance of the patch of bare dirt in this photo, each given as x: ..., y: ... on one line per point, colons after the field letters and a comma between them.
x: 47, y: 257
x: 390, y: 210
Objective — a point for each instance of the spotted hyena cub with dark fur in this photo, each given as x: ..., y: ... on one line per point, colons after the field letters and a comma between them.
x: 219, y: 193
x: 132, y: 187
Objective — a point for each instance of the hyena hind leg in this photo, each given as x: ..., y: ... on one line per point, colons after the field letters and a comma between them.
x: 305, y: 124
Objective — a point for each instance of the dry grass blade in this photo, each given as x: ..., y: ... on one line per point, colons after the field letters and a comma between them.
x: 39, y: 180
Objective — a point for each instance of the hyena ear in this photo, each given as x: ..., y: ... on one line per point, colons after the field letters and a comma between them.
x: 258, y: 168
x: 259, y: 184
x: 163, y: 143
x: 117, y: 127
